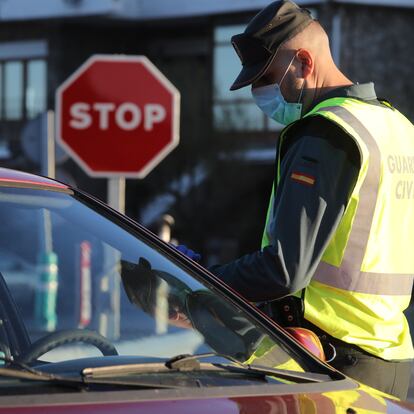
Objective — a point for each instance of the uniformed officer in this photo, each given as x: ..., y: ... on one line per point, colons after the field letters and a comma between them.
x: 340, y: 228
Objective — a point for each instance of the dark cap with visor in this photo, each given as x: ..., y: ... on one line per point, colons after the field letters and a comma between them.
x: 265, y: 33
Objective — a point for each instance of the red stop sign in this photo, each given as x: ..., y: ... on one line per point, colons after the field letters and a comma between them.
x: 117, y: 116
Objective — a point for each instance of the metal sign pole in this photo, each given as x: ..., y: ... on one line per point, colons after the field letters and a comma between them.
x: 48, y: 145
x: 46, y: 296
x: 110, y: 322
x: 116, y: 193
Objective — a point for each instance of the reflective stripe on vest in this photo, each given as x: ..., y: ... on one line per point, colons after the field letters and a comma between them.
x: 364, y: 280
x: 349, y: 275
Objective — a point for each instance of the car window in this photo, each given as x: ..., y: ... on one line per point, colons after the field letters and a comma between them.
x: 71, y: 266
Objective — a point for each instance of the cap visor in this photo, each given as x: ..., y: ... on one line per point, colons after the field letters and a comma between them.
x: 248, y: 75
x: 251, y: 73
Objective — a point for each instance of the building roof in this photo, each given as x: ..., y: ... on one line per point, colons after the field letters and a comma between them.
x: 11, y: 10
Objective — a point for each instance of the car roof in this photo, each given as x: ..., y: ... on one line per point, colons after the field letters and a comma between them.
x: 10, y: 177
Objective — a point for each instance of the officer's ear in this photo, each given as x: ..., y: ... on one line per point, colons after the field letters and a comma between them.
x: 307, y: 64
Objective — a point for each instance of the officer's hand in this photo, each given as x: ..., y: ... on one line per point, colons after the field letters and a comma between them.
x: 188, y: 252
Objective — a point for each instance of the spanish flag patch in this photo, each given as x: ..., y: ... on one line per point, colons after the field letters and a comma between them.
x: 302, y: 178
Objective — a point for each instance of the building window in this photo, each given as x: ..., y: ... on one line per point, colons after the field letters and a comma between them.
x: 23, y: 80
x: 36, y: 88
x: 233, y: 110
x: 13, y: 90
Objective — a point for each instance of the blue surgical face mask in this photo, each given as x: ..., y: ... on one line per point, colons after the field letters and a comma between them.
x: 270, y: 100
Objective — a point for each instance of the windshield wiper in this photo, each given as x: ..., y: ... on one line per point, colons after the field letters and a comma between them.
x: 188, y: 363
x: 34, y: 375
x: 78, y: 383
x: 187, y: 360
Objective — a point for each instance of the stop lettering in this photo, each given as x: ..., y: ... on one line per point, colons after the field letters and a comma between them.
x: 117, y: 116
x: 126, y: 116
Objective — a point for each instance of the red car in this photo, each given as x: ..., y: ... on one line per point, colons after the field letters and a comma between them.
x: 97, y: 315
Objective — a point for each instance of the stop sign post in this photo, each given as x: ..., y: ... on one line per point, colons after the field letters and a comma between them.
x: 117, y: 116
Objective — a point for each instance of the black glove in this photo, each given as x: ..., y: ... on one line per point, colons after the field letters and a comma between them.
x: 141, y: 283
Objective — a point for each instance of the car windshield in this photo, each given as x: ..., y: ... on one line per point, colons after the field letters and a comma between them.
x: 84, y: 283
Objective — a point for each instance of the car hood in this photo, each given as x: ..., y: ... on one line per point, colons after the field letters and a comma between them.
x: 359, y: 400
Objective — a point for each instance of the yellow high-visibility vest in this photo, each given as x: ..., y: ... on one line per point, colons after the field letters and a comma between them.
x: 364, y: 280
